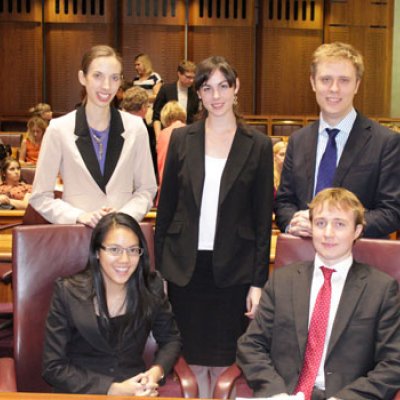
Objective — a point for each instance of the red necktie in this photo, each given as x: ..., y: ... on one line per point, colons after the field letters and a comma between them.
x: 316, y: 337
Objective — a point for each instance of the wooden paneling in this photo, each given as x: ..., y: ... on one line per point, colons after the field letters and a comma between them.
x: 368, y: 26
x: 20, y: 10
x: 284, y: 85
x: 226, y: 28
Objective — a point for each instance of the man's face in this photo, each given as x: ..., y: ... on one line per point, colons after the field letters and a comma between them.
x: 333, y: 233
x: 335, y: 84
x: 186, y: 79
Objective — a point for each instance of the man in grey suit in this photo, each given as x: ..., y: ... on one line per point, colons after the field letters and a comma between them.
x: 367, y: 154
x: 358, y: 356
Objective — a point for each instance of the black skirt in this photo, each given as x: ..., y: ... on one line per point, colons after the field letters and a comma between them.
x: 211, y: 319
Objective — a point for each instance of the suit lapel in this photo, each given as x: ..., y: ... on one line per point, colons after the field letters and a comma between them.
x: 195, y: 159
x: 88, y: 154
x: 301, y: 301
x: 237, y: 158
x: 351, y: 295
x: 310, y: 159
x: 114, y: 145
x: 85, y: 147
x: 358, y: 138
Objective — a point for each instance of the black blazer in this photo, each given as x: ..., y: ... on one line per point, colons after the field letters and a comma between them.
x: 369, y: 167
x: 243, y: 227
x: 77, y: 358
x: 169, y: 92
x: 362, y: 360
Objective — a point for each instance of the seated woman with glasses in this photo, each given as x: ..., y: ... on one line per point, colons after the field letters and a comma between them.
x: 100, y: 319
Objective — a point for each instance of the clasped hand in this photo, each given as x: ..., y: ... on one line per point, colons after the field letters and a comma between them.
x: 139, y: 385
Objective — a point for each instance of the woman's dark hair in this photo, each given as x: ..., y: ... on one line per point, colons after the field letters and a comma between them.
x: 205, y: 69
x: 4, y: 166
x: 140, y: 297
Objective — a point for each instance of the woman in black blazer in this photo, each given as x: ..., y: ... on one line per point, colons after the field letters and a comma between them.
x: 214, y: 223
x: 100, y: 319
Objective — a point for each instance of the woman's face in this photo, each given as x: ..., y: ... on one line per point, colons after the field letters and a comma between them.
x: 117, y: 269
x: 13, y: 173
x: 279, y: 157
x: 47, y: 115
x: 216, y: 95
x: 36, y: 132
x: 102, y: 80
x: 139, y: 67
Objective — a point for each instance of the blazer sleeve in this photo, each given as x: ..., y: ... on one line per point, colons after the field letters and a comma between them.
x: 47, y: 169
x: 382, y: 382
x: 166, y: 333
x: 159, y: 103
x: 58, y: 371
x: 168, y: 196
x: 384, y: 217
x: 254, y: 349
x: 286, y: 198
x: 145, y: 184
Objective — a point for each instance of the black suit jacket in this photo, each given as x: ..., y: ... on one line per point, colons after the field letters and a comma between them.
x: 169, y: 92
x: 363, y: 356
x: 243, y: 226
x: 77, y: 358
x: 369, y: 167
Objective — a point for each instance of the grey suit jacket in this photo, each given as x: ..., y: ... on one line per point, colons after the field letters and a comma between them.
x: 363, y: 356
x: 243, y: 226
x: 369, y: 167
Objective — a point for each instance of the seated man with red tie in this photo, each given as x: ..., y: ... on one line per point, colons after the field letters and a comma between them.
x: 342, y: 148
x: 330, y: 328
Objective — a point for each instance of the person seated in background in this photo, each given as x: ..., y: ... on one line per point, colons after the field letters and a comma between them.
x: 136, y: 102
x: 30, y: 146
x: 328, y: 328
x: 43, y: 111
x: 172, y: 116
x: 181, y: 91
x: 147, y: 79
x: 279, y: 150
x: 99, y: 320
x: 13, y: 192
x: 342, y: 148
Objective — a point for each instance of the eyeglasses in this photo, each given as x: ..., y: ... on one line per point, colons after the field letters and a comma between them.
x: 189, y: 77
x: 117, y: 251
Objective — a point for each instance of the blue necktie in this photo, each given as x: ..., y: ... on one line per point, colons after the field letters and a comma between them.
x: 327, y: 166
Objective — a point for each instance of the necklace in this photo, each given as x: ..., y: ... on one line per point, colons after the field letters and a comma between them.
x: 99, y: 141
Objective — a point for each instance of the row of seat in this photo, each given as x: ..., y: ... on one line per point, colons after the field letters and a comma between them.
x: 43, y: 253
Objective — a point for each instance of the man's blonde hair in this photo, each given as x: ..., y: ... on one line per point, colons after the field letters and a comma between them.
x: 335, y: 51
x: 134, y: 99
x: 339, y: 198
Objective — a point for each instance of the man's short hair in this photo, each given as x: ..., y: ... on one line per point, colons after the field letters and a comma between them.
x: 335, y: 51
x: 339, y: 198
x: 186, y: 66
x: 134, y: 99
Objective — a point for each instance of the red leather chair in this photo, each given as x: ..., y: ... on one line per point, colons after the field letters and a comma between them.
x: 40, y: 255
x: 382, y: 254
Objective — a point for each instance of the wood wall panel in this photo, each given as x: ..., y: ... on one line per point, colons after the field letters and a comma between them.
x: 20, y: 10
x: 207, y: 41
x: 66, y: 44
x: 20, y: 66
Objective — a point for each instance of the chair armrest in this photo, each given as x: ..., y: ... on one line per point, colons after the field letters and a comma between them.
x: 6, y: 277
x: 8, y: 381
x: 226, y: 382
x: 186, y: 379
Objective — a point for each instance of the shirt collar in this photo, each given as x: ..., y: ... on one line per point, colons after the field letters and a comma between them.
x: 345, y: 125
x: 342, y: 268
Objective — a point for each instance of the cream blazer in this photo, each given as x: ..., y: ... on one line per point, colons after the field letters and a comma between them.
x: 128, y: 184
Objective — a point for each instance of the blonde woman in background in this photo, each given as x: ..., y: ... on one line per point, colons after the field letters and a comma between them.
x: 279, y: 150
x: 43, y: 111
x: 30, y: 146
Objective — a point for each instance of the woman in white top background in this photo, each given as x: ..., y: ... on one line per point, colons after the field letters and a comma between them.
x: 214, y: 223
x: 102, y: 154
